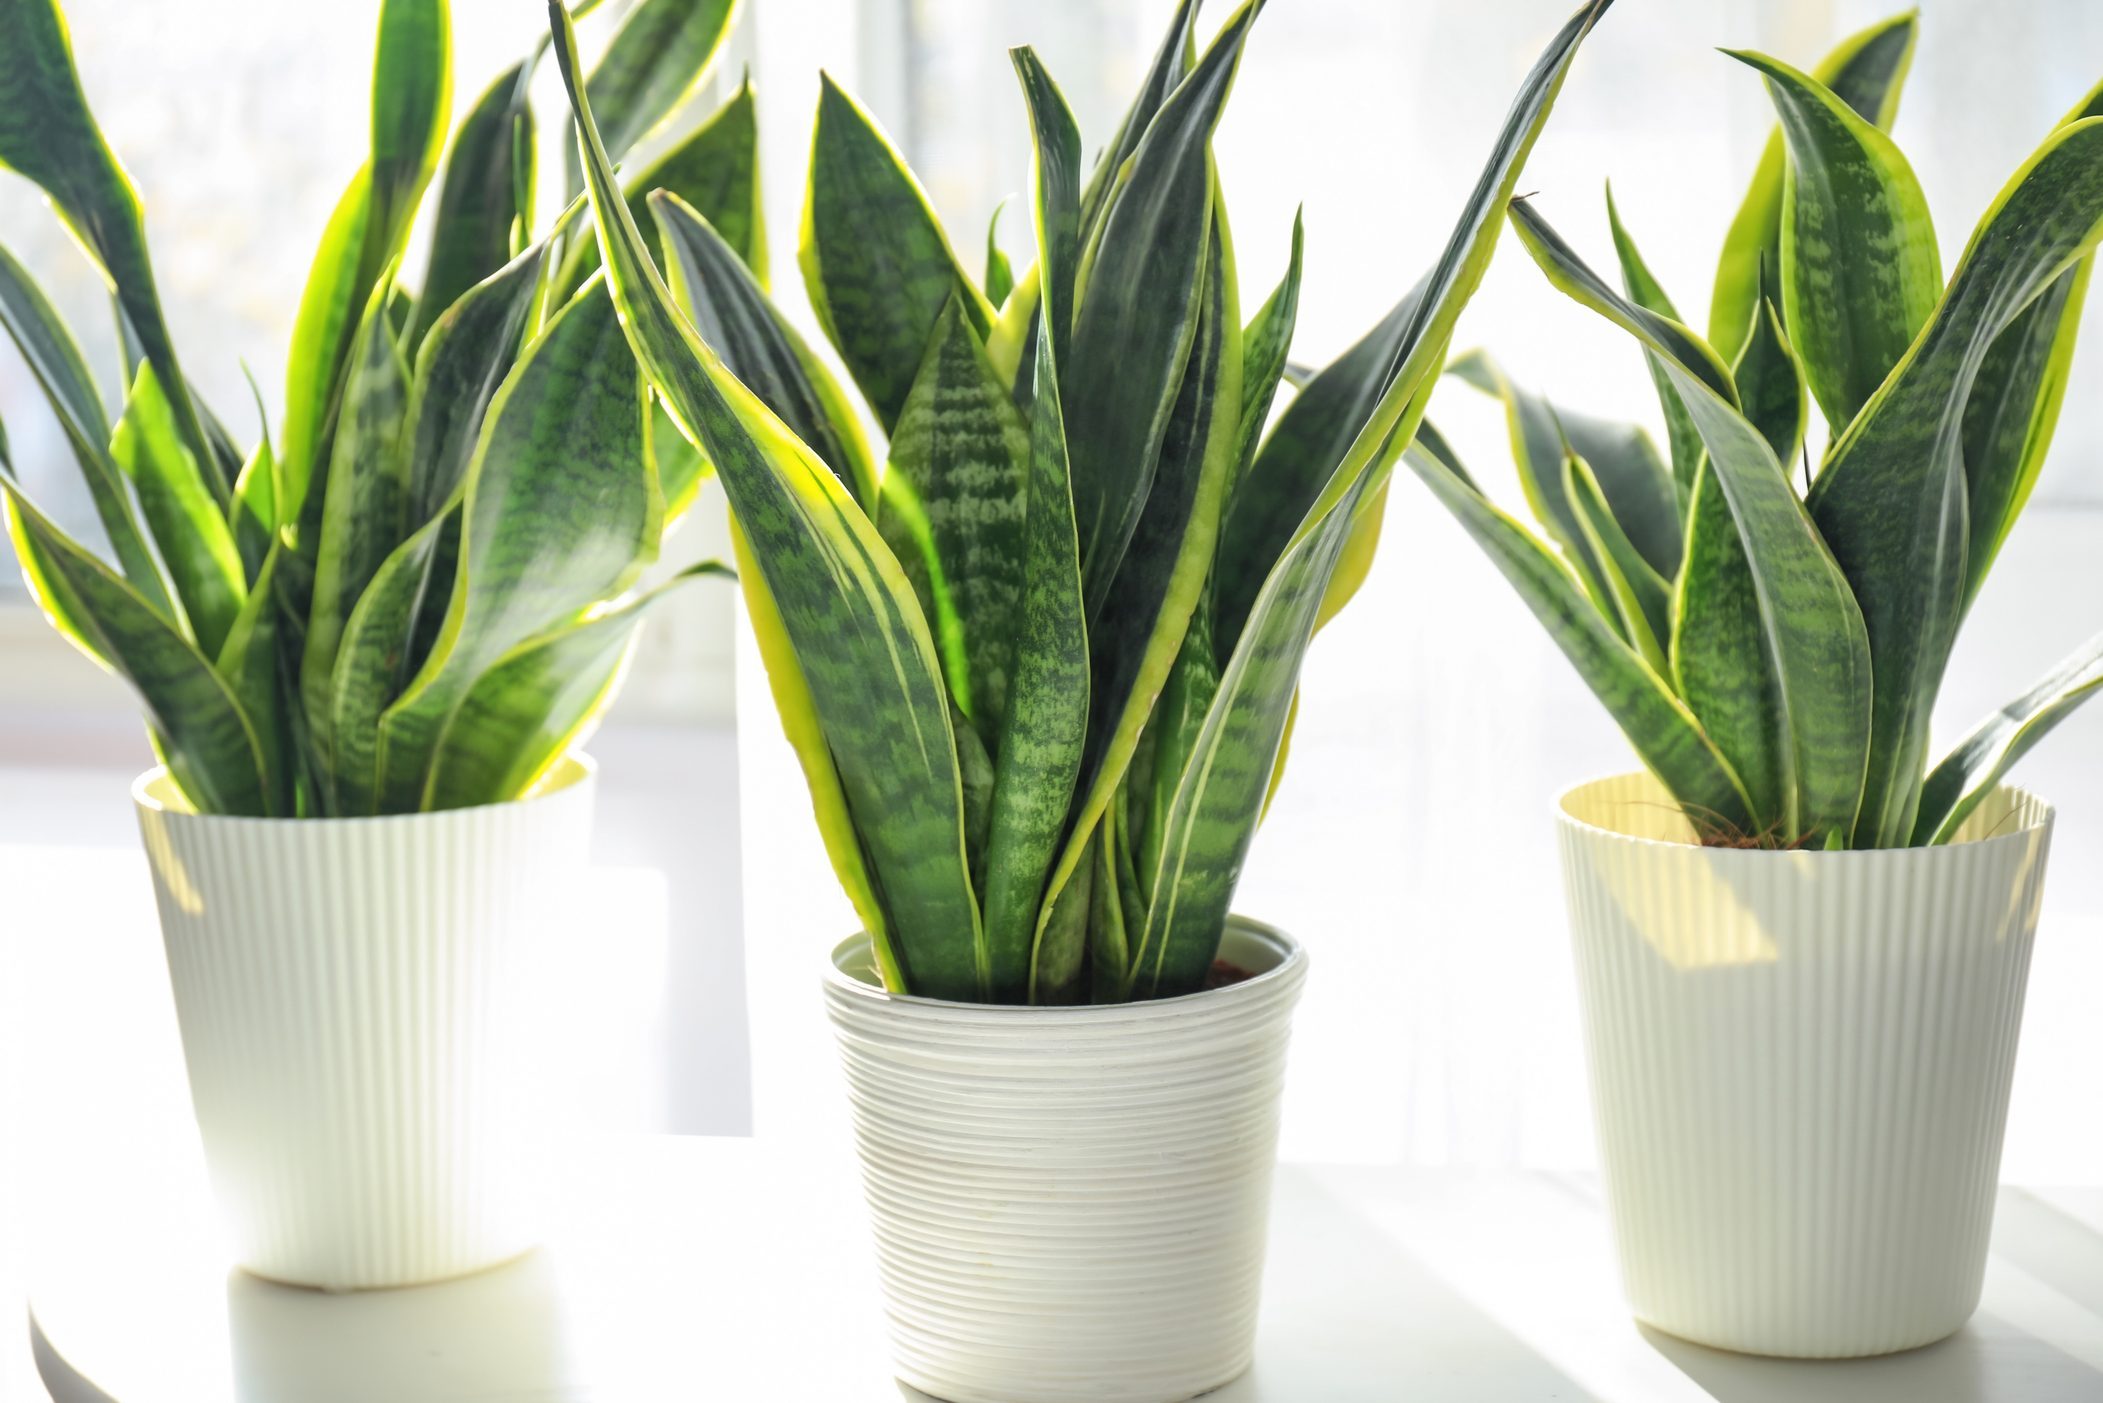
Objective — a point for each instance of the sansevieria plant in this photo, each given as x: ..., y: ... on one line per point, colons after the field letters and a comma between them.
x: 1771, y: 633
x: 1040, y: 670
x: 416, y: 595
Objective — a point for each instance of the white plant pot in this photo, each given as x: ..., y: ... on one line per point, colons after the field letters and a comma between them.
x: 1800, y: 1067
x: 356, y: 999
x: 1070, y: 1203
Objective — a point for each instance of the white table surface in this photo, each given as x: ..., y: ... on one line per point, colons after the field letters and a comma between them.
x: 724, y: 1269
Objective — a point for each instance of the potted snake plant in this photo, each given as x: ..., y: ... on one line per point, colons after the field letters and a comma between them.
x: 368, y: 647
x: 1802, y: 947
x: 1039, y: 672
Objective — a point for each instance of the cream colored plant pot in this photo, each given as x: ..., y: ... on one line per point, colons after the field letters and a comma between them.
x: 355, y: 998
x: 1800, y: 1067
x: 1070, y: 1203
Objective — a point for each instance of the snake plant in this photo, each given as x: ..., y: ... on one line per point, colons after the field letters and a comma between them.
x: 418, y: 594
x: 1039, y: 670
x: 1772, y: 636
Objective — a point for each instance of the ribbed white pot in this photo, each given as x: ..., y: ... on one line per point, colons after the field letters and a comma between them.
x: 1070, y: 1203
x: 356, y: 999
x: 1800, y: 1067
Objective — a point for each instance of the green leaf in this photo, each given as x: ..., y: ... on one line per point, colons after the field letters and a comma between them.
x: 1038, y: 759
x: 1135, y: 642
x: 252, y: 663
x: 1646, y: 292
x: 328, y: 311
x: 1973, y: 770
x: 716, y: 171
x: 1860, y: 269
x: 369, y: 667
x: 1866, y: 72
x: 460, y: 364
x: 254, y: 513
x: 732, y: 315
x: 48, y: 134
x: 2014, y: 405
x: 866, y: 661
x: 536, y: 705
x: 658, y: 57
x: 561, y: 512
x: 1000, y: 276
x: 875, y: 261
x: 483, y: 212
x: 203, y: 737
x: 953, y: 501
x: 412, y: 100
x: 1171, y: 63
x: 1891, y: 500
x: 49, y: 351
x: 1664, y: 733
x: 364, y: 506
x: 1264, y: 344
x: 1138, y: 308
x: 1641, y: 598
x: 1811, y: 630
x: 1770, y: 381
x: 193, y: 538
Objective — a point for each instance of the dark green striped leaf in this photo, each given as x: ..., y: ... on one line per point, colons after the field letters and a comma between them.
x: 1891, y: 500
x: 369, y: 669
x: 1973, y: 770
x: 1297, y: 459
x: 460, y: 363
x: 1664, y: 733
x: 1641, y: 598
x: 1811, y: 629
x: 2013, y: 408
x: 328, y: 311
x: 1770, y: 381
x: 561, y: 512
x: 198, y: 727
x: 1171, y: 64
x: 1139, y: 300
x: 716, y: 171
x: 538, y: 703
x: 412, y: 100
x: 192, y: 537
x: 1219, y: 788
x: 1038, y: 759
x: 1860, y: 269
x: 48, y: 134
x: 953, y: 502
x: 364, y: 509
x: 484, y: 212
x: 252, y: 663
x: 1264, y: 344
x: 875, y: 261
x: 658, y: 57
x: 62, y: 373
x: 1866, y: 72
x: 865, y: 659
x: 1646, y: 292
x: 739, y: 321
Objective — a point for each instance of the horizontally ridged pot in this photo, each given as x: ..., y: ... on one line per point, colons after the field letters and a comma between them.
x: 356, y: 998
x: 1070, y: 1203
x: 1800, y: 1067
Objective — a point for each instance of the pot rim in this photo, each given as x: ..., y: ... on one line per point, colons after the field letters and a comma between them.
x: 155, y: 792
x: 2044, y: 813
x: 1292, y: 964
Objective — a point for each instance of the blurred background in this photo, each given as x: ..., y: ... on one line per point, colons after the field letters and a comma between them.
x: 1412, y: 845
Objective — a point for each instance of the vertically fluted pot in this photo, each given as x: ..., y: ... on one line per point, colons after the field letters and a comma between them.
x: 1070, y: 1203
x: 1800, y: 1067
x: 355, y: 997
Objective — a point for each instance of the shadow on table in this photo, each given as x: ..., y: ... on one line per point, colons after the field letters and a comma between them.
x: 497, y: 1331
x: 1987, y: 1361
